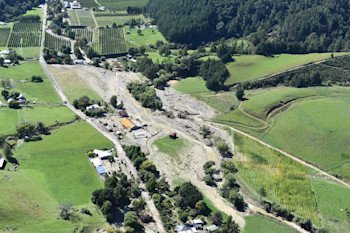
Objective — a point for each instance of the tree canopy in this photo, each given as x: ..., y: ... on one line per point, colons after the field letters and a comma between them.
x: 273, y: 26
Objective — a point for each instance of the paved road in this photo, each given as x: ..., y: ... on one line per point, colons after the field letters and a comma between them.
x: 111, y: 137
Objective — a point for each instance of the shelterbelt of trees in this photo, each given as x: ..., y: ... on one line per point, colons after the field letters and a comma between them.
x: 9, y: 9
x: 273, y: 26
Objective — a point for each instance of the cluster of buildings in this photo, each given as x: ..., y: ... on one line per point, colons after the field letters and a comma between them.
x: 97, y: 161
x: 4, y: 54
x: 21, y: 99
x: 71, y: 5
x: 197, y: 226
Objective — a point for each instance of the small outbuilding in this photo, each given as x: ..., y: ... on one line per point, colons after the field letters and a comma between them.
x: 123, y: 113
x: 7, y: 62
x: 211, y: 228
x: 96, y: 162
x: 2, y: 163
x: 101, y: 170
x: 140, y: 135
x: 173, y: 135
x: 103, y: 154
x: 93, y: 108
x: 128, y: 124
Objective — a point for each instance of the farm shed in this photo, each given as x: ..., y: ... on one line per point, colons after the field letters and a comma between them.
x: 93, y: 108
x: 101, y: 170
x: 211, y: 228
x: 128, y: 124
x: 103, y: 154
x: 7, y: 61
x: 140, y: 135
x: 2, y: 163
x: 96, y: 162
x: 123, y: 113
x: 173, y: 135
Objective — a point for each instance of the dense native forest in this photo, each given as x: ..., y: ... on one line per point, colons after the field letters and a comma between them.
x: 9, y: 9
x: 272, y: 26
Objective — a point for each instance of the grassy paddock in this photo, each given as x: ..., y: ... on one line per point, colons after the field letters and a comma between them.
x: 262, y: 224
x: 250, y: 67
x: 72, y: 84
x: 147, y: 37
x: 48, y: 115
x: 170, y: 146
x: 21, y: 76
x: 332, y: 200
x: 285, y: 181
x: 52, y: 172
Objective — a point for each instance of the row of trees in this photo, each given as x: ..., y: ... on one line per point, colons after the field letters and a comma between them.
x: 11, y: 9
x: 145, y: 94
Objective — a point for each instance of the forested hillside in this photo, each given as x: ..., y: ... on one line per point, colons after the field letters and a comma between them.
x: 12, y: 8
x: 272, y: 26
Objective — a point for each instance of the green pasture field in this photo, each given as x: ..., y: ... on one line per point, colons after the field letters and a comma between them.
x: 237, y: 117
x: 35, y: 11
x: 157, y: 58
x: 118, y: 19
x: 260, y: 105
x: 53, y: 172
x: 121, y: 5
x: 147, y: 37
x: 27, y: 52
x: 9, y: 118
x: 195, y: 86
x: 332, y: 200
x: 170, y: 146
x: 315, y: 129
x: 21, y: 76
x: 72, y: 85
x: 250, y: 67
x: 263, y: 224
x: 285, y: 180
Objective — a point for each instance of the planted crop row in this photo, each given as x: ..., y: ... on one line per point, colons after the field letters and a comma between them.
x: 73, y: 18
x: 4, y: 35
x: 27, y: 27
x: 53, y: 42
x: 24, y: 39
x: 111, y: 41
x: 88, y: 3
x: 86, y: 18
x: 84, y: 32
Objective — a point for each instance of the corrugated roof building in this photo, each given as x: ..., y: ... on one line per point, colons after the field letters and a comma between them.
x: 128, y: 124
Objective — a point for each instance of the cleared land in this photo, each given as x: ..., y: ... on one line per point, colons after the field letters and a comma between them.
x: 48, y: 115
x: 122, y: 5
x: 49, y: 177
x: 104, y: 20
x: 72, y: 84
x: 250, y: 67
x: 285, y: 180
x: 262, y: 224
x: 20, y: 76
x: 147, y: 37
